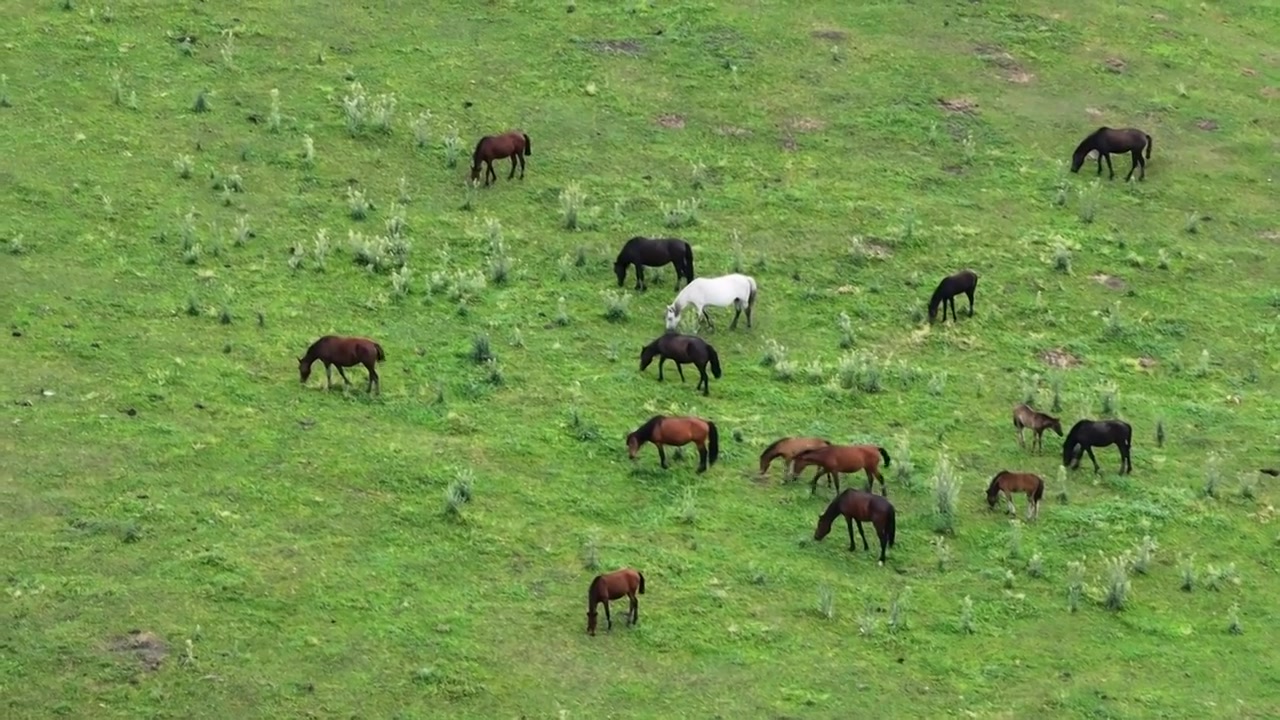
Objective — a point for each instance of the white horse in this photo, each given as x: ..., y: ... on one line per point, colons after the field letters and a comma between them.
x: 736, y: 290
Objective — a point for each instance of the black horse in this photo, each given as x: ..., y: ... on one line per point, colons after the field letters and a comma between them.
x: 1107, y: 140
x: 965, y: 281
x: 1088, y: 434
x: 654, y: 252
x: 683, y: 349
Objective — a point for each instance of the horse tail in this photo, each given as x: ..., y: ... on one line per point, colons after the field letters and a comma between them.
x: 475, y: 156
x: 641, y: 576
x: 688, y: 260
x: 528, y: 146
x: 893, y: 526
x: 751, y: 297
x: 715, y: 361
x: 713, y: 442
x: 381, y: 355
x: 1148, y: 145
x: 884, y: 455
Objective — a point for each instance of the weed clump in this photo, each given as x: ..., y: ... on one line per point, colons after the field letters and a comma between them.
x: 946, y: 493
x: 458, y: 493
x: 616, y: 305
x: 1116, y: 579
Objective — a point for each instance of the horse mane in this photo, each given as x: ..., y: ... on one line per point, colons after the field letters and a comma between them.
x: 833, y: 509
x: 1075, y: 429
x: 312, y: 348
x: 645, y: 431
x: 995, y: 482
x: 475, y: 155
x: 936, y: 298
x: 774, y: 446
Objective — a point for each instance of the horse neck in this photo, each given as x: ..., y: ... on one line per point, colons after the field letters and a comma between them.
x: 829, y: 515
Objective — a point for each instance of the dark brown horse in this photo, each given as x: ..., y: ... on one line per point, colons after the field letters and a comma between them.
x: 683, y: 349
x: 965, y: 281
x: 662, y: 430
x: 1107, y: 140
x: 787, y: 448
x: 857, y: 506
x: 645, y: 252
x: 513, y: 144
x: 1011, y: 482
x: 1025, y: 417
x: 343, y: 352
x: 1088, y: 434
x: 835, y: 459
x: 612, y: 586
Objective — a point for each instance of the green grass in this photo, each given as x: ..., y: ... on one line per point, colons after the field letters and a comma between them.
x: 193, y: 194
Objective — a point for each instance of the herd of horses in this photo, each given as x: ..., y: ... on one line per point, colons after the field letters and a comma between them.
x: 741, y: 292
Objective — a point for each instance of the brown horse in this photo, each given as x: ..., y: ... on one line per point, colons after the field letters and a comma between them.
x: 787, y: 448
x: 1107, y: 140
x: 857, y: 506
x: 665, y: 430
x: 835, y: 459
x: 1025, y: 417
x: 513, y: 144
x: 683, y: 349
x: 343, y: 352
x: 612, y: 586
x: 1011, y: 482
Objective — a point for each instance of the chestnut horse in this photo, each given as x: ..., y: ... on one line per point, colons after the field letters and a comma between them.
x: 1025, y: 417
x: 343, y: 352
x: 612, y: 586
x: 1011, y: 482
x: 513, y: 144
x: 787, y: 448
x: 665, y: 430
x: 835, y: 459
x: 857, y: 506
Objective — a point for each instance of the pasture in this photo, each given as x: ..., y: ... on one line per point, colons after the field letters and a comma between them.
x: 192, y: 194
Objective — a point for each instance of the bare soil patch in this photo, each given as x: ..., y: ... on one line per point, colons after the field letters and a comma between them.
x: 1272, y: 235
x: 1093, y: 113
x: 614, y: 47
x: 788, y: 142
x: 147, y: 647
x: 1115, y: 65
x: 1248, y: 72
x: 1059, y: 358
x: 1146, y: 362
x: 1207, y: 124
x: 958, y: 105
x: 998, y: 56
x: 805, y: 124
x: 1270, y: 92
x: 829, y: 34
x: 1020, y: 77
x: 1109, y: 281
x: 671, y: 122
x: 733, y: 131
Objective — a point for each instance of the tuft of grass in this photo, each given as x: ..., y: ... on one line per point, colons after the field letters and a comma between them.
x: 1075, y: 585
x: 845, y: 326
x: 241, y: 232
x: 481, y: 352
x: 1140, y: 563
x: 1107, y: 399
x: 1187, y: 572
x: 698, y: 175
x: 5, y: 101
x: 201, y: 103
x: 1061, y: 194
x: 683, y: 213
x: 616, y: 304
x: 1035, y: 566
x: 1116, y: 582
x: 184, y: 166
x: 227, y: 50
x: 897, y: 621
x: 937, y: 384
x: 591, y: 551
x: 1089, y: 199
x: 826, y: 602
x: 1055, y: 385
x: 458, y: 493
x: 1234, y: 626
x: 421, y: 127
x: 308, y: 151
x: 1192, y: 224
x: 274, y: 119
x: 1248, y: 486
x: 357, y: 205
x: 687, y: 510
x: 1063, y: 494
x: 1014, y: 542
x: 1062, y: 259
x: 572, y: 201
x: 581, y: 428
x: 224, y: 315
x: 1160, y: 432
x: 946, y: 497
x: 903, y: 468
x: 1212, y: 475
x: 193, y: 306
x: 452, y: 146
x: 1216, y: 578
x: 966, y: 615
x: 562, y: 313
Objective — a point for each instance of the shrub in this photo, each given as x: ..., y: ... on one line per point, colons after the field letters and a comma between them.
x: 452, y: 145
x: 1035, y: 566
x: 682, y: 214
x: 1143, y: 555
x: 826, y: 602
x: 615, y: 305
x: 966, y: 615
x: 458, y: 493
x: 185, y: 166
x: 572, y: 200
x: 274, y: 119
x: 1116, y: 579
x: 946, y: 491
x: 1187, y: 571
x: 480, y: 350
x: 1075, y: 585
x: 357, y: 204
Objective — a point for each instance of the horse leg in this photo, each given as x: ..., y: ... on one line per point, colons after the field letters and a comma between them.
x: 969, y: 294
x: 1021, y: 442
x: 662, y: 361
x: 521, y: 156
x: 737, y: 310
x: 1100, y: 163
x: 639, y: 277
x: 634, y: 612
x: 884, y: 491
x: 513, y: 166
x: 344, y: 375
x: 705, y: 382
x: 865, y: 546
x: 607, y: 618
x: 883, y: 535
x: 1142, y: 165
x: 373, y: 377
x: 662, y: 455
x: 1008, y: 498
x: 1109, y: 168
x: 328, y: 376
x: 813, y: 487
x: 489, y: 171
x: 1096, y: 469
x: 1135, y: 156
x: 680, y: 369
x: 871, y: 479
x: 702, y: 456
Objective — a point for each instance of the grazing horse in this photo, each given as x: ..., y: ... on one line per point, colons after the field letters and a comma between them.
x: 1107, y: 140
x: 965, y: 281
x: 613, y: 586
x: 835, y: 459
x: 735, y: 289
x: 1011, y: 482
x: 654, y: 252
x: 1088, y: 434
x: 343, y: 352
x: 683, y: 349
x: 787, y: 448
x: 857, y: 506
x: 664, y: 430
x: 513, y: 144
x: 1025, y: 417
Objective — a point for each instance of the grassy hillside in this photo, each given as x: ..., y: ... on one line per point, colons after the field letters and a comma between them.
x: 179, y: 188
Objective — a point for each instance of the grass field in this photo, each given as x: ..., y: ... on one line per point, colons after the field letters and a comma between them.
x: 179, y: 224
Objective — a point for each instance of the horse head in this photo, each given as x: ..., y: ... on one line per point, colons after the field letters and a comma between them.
x: 620, y: 269
x: 304, y: 369
x: 673, y: 317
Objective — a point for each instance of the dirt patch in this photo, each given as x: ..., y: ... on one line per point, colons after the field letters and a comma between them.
x: 1270, y: 92
x: 958, y: 105
x: 805, y: 124
x: 1147, y: 363
x: 1272, y: 235
x: 1019, y: 77
x: 1248, y: 72
x: 1059, y: 358
x: 733, y: 131
x: 147, y: 647
x: 1115, y: 65
x: 1109, y: 281
x: 788, y: 142
x: 614, y: 47
x: 1159, y: 17
x: 829, y: 34
x: 877, y: 250
x: 671, y: 122
x: 1093, y: 113
x: 1207, y: 124
x: 954, y: 169
x: 995, y: 55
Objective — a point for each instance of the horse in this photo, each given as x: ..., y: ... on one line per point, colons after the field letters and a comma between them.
x: 683, y: 349
x: 965, y: 281
x: 654, y: 252
x: 787, y: 448
x: 612, y: 586
x: 1088, y: 434
x: 666, y: 430
x: 1025, y: 417
x: 513, y: 144
x: 734, y: 289
x: 1107, y: 140
x: 835, y: 459
x: 343, y: 352
x: 857, y: 506
x: 1012, y: 482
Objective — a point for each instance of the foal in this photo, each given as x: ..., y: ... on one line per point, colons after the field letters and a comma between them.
x: 612, y: 586
x: 965, y: 281
x: 1011, y: 482
x: 1025, y: 417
